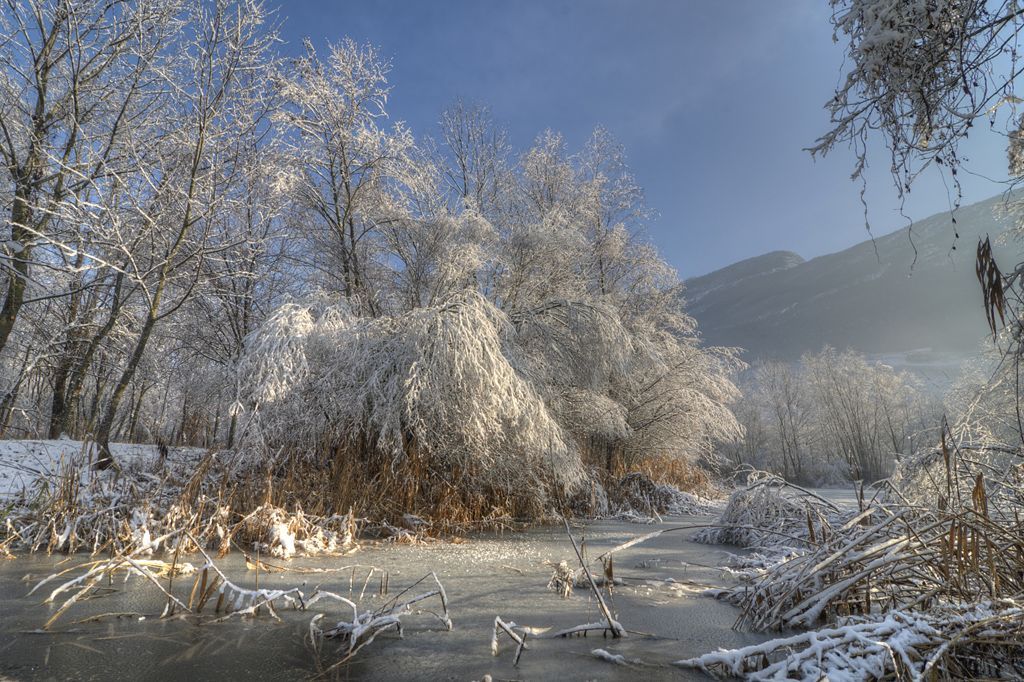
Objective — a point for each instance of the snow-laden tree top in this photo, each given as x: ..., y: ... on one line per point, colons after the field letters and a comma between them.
x: 923, y: 74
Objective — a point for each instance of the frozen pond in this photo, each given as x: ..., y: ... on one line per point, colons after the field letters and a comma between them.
x: 486, y: 577
x: 844, y: 498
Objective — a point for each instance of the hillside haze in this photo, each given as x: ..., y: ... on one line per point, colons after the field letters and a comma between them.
x: 924, y: 314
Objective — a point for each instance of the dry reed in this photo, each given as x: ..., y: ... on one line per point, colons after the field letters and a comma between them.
x: 926, y: 577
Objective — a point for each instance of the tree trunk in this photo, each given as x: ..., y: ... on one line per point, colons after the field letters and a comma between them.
x: 105, y: 460
x: 21, y: 214
x: 133, y: 423
x: 78, y: 374
x: 58, y: 405
x: 231, y: 430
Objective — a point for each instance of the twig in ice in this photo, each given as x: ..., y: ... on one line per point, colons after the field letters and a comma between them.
x: 617, y: 659
x: 364, y: 627
x: 613, y: 625
x: 508, y: 629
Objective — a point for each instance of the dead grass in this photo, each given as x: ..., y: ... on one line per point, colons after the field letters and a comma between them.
x: 296, y: 503
x: 197, y: 502
x: 439, y: 502
x: 677, y: 472
x: 946, y: 555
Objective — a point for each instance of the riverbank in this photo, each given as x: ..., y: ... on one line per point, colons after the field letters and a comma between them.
x: 52, y: 499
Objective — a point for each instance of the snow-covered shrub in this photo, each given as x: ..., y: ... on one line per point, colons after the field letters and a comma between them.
x: 953, y: 545
x: 272, y: 530
x: 591, y: 498
x: 429, y: 397
x: 637, y: 493
x: 769, y: 512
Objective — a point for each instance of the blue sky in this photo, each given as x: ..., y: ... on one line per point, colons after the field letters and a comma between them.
x: 713, y: 100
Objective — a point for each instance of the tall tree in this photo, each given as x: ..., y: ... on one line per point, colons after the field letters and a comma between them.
x: 182, y: 189
x: 74, y: 79
x: 344, y: 160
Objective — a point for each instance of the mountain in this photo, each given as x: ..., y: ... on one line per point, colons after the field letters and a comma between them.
x: 910, y: 297
x: 732, y: 277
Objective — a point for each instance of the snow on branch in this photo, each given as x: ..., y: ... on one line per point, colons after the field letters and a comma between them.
x: 433, y: 382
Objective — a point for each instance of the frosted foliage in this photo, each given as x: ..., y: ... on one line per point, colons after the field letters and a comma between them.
x: 463, y: 253
x: 680, y: 395
x: 644, y: 388
x: 435, y: 381
x: 574, y: 344
x: 985, y: 404
x: 1015, y: 151
x: 903, y: 58
x: 277, y: 358
x: 897, y: 42
x: 598, y: 414
x: 436, y: 251
x: 924, y: 74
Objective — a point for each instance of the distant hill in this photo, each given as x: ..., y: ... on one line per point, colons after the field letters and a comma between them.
x: 739, y: 274
x: 874, y: 297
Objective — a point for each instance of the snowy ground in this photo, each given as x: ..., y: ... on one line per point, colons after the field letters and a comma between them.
x: 23, y: 462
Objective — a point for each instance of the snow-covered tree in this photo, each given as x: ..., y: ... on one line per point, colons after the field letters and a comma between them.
x: 787, y: 402
x: 923, y: 75
x: 866, y: 412
x: 74, y: 80
x: 833, y: 415
x: 475, y: 157
x: 540, y: 267
x: 430, y: 394
x: 344, y: 161
x: 173, y: 213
